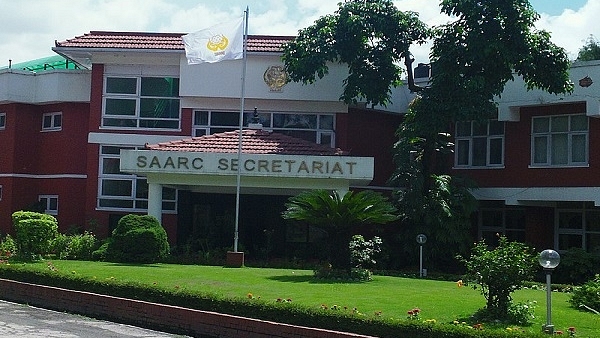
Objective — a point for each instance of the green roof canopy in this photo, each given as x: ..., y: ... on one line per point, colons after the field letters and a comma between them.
x: 43, y: 64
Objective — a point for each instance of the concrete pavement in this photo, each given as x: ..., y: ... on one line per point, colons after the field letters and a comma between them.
x: 18, y: 320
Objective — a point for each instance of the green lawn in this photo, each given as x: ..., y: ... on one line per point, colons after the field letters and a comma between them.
x: 392, y: 296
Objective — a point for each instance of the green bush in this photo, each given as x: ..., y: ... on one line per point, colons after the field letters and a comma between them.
x: 587, y: 296
x: 136, y: 238
x: 34, y: 233
x: 498, y: 272
x: 576, y: 267
x: 8, y: 247
x: 78, y: 246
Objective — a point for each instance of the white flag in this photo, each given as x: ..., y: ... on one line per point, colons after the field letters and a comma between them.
x: 220, y: 42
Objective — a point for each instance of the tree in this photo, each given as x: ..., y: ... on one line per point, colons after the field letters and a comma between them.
x: 590, y: 51
x: 499, y: 272
x: 338, y: 215
x: 369, y: 36
x: 472, y: 58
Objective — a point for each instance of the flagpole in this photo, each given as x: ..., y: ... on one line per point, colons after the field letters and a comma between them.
x: 241, y: 126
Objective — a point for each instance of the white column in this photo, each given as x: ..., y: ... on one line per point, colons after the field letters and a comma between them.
x: 155, y: 201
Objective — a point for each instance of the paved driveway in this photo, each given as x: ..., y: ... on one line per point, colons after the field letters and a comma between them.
x: 18, y: 320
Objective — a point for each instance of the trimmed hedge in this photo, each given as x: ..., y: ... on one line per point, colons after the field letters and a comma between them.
x: 282, y: 312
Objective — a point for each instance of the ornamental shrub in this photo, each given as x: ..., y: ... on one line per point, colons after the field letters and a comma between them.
x: 34, y: 233
x: 137, y: 239
x: 498, y: 272
x: 8, y: 247
x: 77, y: 246
x: 587, y: 296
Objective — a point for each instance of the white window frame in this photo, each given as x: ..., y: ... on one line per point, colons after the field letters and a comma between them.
x: 48, y: 208
x: 266, y: 118
x: 550, y: 135
x: 137, y: 97
x: 138, y: 204
x: 469, y: 141
x: 55, y: 121
x: 583, y: 232
x: 2, y: 121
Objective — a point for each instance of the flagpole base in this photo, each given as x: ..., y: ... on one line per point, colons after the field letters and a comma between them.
x: 234, y: 259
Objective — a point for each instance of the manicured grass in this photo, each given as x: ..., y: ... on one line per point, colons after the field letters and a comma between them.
x: 390, y: 296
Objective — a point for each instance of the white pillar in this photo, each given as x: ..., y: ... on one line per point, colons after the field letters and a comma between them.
x: 155, y: 201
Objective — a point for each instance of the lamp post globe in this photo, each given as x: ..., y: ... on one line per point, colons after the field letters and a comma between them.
x: 549, y: 259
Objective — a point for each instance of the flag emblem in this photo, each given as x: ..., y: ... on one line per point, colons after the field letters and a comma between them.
x: 217, y: 43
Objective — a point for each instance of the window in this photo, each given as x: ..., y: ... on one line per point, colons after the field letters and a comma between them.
x: 318, y: 128
x: 123, y: 191
x: 497, y: 218
x: 0, y: 193
x: 578, y: 226
x: 141, y: 102
x: 559, y: 140
x: 52, y: 122
x: 479, y: 144
x: 2, y: 121
x: 50, y: 204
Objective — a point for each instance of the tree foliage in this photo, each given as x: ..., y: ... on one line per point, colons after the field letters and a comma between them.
x: 590, y: 51
x: 338, y: 214
x: 500, y: 271
x: 369, y: 36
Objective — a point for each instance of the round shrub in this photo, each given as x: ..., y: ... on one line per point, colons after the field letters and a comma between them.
x: 587, y: 296
x: 137, y: 239
x: 34, y: 233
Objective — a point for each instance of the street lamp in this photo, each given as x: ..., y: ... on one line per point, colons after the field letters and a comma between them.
x: 421, y: 239
x: 549, y: 259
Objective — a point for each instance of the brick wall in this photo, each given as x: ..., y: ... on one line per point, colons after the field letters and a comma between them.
x: 155, y: 316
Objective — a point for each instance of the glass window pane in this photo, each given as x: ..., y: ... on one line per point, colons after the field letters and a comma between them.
x: 159, y: 86
x: 592, y: 243
x: 120, y: 107
x: 480, y: 128
x: 463, y: 128
x: 2, y: 120
x: 518, y: 236
x: 298, y: 121
x: 579, y: 123
x: 560, y: 149
x: 541, y: 125
x: 119, y: 85
x: 515, y: 219
x: 141, y: 189
x: 159, y: 108
x: 540, y: 149
x: 115, y: 203
x: 162, y: 124
x: 326, y: 139
x: 53, y: 203
x: 225, y: 119
x: 47, y: 121
x: 568, y: 241
x: 310, y: 136
x: 201, y: 118
x: 111, y: 150
x: 125, y: 123
x: 496, y: 128
x: 462, y: 152
x: 491, y: 218
x: 592, y: 221
x: 479, y: 151
x: 110, y: 166
x: 326, y: 122
x: 570, y: 220
x: 169, y: 194
x: 578, y: 151
x: 116, y: 187
x: 496, y: 151
x: 560, y: 123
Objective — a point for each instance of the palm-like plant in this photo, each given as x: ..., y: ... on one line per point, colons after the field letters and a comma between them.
x: 338, y: 214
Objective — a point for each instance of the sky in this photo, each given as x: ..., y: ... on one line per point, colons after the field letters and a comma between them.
x: 29, y: 28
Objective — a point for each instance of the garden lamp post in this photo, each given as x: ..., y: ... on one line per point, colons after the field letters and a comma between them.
x: 549, y: 259
x: 421, y: 239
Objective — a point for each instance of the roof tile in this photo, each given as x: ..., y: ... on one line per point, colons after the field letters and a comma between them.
x: 165, y: 41
x: 253, y: 142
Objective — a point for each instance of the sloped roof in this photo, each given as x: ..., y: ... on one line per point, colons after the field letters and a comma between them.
x: 254, y: 141
x: 160, y: 41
